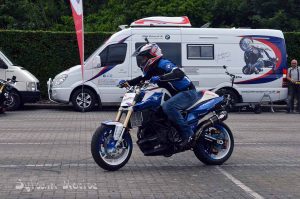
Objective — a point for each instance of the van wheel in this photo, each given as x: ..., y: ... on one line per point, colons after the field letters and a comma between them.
x: 13, y: 102
x: 233, y: 97
x: 83, y: 101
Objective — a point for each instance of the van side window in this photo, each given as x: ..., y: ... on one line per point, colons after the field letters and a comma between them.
x: 171, y: 51
x: 2, y: 64
x: 113, y: 54
x: 200, y: 51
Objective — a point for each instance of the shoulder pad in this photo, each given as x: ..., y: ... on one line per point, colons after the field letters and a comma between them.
x: 166, y: 65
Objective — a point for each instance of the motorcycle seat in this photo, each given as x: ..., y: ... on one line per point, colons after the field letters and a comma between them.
x: 201, y: 94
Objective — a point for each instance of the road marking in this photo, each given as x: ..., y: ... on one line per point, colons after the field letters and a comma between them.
x: 44, y: 143
x: 240, y: 184
x: 27, y: 143
x: 81, y: 142
x: 266, y: 143
x: 88, y: 164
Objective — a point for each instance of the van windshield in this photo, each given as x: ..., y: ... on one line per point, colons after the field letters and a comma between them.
x: 5, y: 59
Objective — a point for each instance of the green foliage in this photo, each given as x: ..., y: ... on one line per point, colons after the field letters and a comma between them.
x: 108, y: 15
x: 292, y: 40
x: 45, y: 54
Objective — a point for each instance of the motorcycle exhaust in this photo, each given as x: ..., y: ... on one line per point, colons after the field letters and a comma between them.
x: 210, y: 122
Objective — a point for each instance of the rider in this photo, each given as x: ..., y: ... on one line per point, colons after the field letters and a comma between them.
x: 167, y: 75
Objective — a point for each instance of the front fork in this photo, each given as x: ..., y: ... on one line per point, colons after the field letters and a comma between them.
x: 127, y: 118
x: 126, y: 121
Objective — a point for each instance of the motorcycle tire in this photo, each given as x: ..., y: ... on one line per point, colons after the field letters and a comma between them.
x: 203, y: 148
x: 14, y: 102
x: 99, y: 146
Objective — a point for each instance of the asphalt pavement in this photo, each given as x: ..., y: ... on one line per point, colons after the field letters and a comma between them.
x: 45, y: 153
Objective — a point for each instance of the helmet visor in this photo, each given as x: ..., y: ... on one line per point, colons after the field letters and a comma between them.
x: 144, y: 61
x: 137, y: 51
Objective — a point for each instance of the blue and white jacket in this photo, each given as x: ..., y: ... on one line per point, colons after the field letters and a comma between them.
x: 172, y: 78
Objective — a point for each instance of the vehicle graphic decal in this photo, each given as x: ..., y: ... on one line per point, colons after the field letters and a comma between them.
x: 269, y: 56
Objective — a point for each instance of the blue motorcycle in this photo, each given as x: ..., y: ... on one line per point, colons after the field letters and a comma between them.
x: 213, y: 141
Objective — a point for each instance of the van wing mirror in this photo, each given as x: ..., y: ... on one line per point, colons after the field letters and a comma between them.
x: 97, y: 61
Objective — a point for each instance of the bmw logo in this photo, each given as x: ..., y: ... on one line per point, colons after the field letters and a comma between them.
x: 167, y: 37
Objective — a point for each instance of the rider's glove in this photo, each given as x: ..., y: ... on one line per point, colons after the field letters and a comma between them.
x: 154, y: 79
x: 123, y: 83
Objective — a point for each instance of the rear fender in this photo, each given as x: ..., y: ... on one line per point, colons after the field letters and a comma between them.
x: 203, y: 109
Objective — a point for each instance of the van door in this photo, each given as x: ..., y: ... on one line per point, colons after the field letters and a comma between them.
x: 169, y: 40
x: 115, y: 62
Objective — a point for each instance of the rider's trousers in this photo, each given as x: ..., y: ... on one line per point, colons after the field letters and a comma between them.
x: 174, y: 105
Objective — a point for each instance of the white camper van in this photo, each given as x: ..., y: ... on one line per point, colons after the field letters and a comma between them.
x: 257, y: 56
x: 25, y: 90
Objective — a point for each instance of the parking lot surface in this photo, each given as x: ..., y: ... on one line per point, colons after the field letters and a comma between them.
x: 45, y: 153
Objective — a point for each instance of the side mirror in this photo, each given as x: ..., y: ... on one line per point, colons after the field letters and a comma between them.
x: 14, y: 78
x: 224, y: 66
x: 96, y: 61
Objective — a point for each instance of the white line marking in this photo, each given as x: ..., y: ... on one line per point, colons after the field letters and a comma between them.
x: 240, y: 184
x: 84, y: 142
x: 27, y: 143
x: 88, y: 164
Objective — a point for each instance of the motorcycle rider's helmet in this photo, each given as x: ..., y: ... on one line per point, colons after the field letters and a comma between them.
x: 246, y: 43
x: 147, y: 55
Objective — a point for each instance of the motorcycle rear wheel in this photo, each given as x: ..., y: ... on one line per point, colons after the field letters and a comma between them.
x: 105, y: 154
x: 211, y: 153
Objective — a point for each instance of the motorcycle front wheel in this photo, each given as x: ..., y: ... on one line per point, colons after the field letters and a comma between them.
x: 211, y: 152
x: 106, y: 154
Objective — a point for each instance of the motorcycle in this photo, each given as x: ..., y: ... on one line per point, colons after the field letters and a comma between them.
x: 213, y: 141
x: 5, y: 97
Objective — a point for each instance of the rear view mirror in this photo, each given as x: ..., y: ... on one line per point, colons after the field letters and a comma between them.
x: 96, y: 61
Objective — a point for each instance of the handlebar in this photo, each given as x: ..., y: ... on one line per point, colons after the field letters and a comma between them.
x: 9, y: 81
x: 142, y: 85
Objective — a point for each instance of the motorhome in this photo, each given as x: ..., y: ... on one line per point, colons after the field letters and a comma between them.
x: 27, y: 86
x: 256, y: 56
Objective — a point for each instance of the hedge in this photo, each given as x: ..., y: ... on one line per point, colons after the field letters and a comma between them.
x: 292, y: 41
x: 45, y: 54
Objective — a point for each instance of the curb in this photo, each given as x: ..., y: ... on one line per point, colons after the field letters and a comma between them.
x: 47, y: 106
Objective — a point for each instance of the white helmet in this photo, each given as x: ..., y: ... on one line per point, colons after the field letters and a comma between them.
x: 149, y: 53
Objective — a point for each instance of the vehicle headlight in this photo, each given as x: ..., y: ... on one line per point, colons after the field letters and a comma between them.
x: 31, y: 86
x: 59, y: 80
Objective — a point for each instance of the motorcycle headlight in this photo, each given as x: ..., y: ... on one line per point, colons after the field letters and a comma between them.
x: 31, y: 86
x: 59, y: 80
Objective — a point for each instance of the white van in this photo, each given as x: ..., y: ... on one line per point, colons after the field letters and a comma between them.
x: 257, y: 56
x: 25, y: 90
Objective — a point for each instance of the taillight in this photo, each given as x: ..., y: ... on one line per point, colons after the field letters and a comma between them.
x: 284, y: 79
